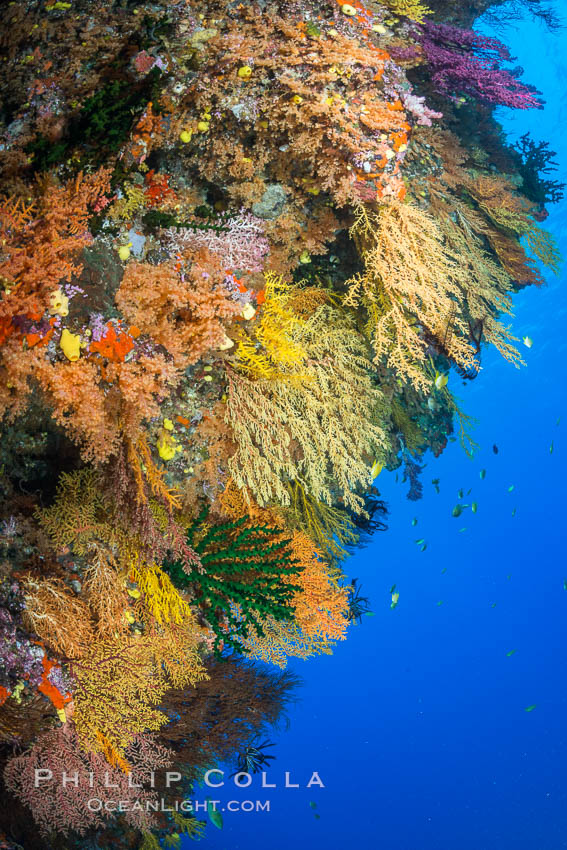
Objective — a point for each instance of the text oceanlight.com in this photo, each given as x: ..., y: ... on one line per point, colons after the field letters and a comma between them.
x: 187, y: 806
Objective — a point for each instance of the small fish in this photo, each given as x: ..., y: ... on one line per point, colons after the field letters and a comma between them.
x: 414, y: 521
x: 312, y: 804
x: 493, y: 605
x: 397, y: 477
x: 443, y: 571
x: 511, y: 653
x: 440, y: 603
x: 495, y: 449
x: 423, y: 548
x: 462, y: 529
x: 420, y: 541
x: 435, y: 482
x: 395, y: 600
x: 474, y: 507
x: 565, y: 584
x: 469, y: 491
x: 461, y: 494
x: 215, y: 816
x: 377, y: 468
x: 457, y: 510
x: 392, y: 589
x: 558, y: 420
x: 369, y: 614
x: 528, y: 341
x: 513, y: 511
x: 509, y: 576
x: 530, y: 708
x: 317, y: 817
x: 551, y: 448
x: 441, y: 380
x: 482, y: 474
x: 510, y: 488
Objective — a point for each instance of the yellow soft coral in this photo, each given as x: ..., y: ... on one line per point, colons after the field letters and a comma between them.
x: 413, y: 9
x: 278, y: 335
x: 161, y: 597
x: 410, y: 280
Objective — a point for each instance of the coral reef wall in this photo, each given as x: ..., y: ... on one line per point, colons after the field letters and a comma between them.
x: 245, y: 251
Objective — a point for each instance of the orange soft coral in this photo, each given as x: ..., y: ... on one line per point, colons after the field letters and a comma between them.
x: 181, y: 310
x: 41, y: 243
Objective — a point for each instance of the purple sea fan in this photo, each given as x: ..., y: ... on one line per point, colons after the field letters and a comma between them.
x: 242, y: 245
x: 60, y: 806
x: 405, y: 53
x: 469, y: 62
x: 19, y: 657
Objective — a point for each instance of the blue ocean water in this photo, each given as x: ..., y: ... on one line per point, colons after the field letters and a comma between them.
x: 417, y: 725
